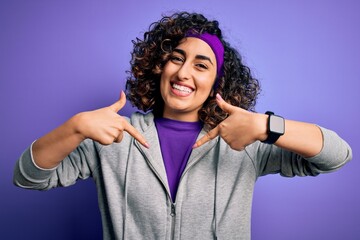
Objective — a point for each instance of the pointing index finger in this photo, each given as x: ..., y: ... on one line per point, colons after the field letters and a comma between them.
x: 213, y: 133
x: 135, y: 133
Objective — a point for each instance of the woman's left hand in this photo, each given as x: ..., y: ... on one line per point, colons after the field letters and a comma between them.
x: 239, y: 129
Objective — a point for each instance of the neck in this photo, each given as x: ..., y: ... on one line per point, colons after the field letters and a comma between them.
x: 184, y: 117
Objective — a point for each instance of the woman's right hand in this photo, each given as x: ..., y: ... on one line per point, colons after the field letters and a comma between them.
x: 105, y: 125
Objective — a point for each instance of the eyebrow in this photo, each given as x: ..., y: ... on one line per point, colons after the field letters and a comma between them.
x: 202, y: 57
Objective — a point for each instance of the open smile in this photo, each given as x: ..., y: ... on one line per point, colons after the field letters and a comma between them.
x: 181, y: 90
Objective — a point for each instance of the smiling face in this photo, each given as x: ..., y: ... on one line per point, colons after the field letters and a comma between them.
x: 187, y: 79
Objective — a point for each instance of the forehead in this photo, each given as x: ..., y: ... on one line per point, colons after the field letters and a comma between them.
x: 196, y: 46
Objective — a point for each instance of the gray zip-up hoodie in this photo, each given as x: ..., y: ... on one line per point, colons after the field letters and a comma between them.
x: 215, y: 192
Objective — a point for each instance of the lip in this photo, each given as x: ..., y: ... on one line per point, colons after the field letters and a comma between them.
x: 182, y: 84
x: 178, y: 92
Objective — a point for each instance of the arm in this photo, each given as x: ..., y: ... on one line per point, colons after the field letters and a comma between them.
x: 242, y: 128
x: 103, y: 125
x: 49, y: 150
x: 302, y: 138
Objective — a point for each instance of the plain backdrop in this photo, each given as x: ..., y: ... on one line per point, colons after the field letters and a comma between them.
x: 58, y: 58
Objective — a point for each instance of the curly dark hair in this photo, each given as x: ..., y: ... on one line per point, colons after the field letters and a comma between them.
x: 236, y: 85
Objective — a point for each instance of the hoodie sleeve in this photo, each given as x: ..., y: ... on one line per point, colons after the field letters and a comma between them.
x: 271, y: 159
x: 77, y: 165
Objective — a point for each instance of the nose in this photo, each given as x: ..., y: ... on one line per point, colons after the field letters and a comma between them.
x: 184, y: 72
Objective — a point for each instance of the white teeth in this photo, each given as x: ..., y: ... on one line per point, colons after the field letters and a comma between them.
x: 182, y: 88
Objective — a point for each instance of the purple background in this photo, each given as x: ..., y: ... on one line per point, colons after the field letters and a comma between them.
x: 58, y: 58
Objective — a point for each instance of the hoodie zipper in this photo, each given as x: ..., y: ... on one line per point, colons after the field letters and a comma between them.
x: 173, y: 215
x: 173, y: 205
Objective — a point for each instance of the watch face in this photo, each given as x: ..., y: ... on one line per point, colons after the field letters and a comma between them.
x: 277, y: 124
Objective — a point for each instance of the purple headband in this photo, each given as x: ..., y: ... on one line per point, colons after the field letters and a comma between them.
x: 214, y: 42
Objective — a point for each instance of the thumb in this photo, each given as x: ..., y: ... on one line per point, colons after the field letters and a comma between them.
x: 119, y: 104
x: 228, y: 108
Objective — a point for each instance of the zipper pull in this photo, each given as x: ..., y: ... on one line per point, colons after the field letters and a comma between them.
x: 173, y: 211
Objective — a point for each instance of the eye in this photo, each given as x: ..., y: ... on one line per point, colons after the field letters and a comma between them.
x: 201, y: 65
x: 176, y: 59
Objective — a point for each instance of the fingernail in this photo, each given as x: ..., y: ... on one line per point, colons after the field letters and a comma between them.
x: 194, y: 146
x: 218, y: 97
x: 146, y: 145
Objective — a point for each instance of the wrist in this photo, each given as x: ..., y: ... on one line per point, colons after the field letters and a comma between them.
x: 261, y: 122
x: 75, y: 125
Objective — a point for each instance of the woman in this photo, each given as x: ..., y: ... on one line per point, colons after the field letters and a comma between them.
x: 186, y: 168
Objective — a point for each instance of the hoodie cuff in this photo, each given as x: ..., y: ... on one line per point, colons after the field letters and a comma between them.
x: 30, y: 170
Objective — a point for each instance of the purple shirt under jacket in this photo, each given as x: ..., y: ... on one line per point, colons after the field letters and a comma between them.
x: 176, y: 141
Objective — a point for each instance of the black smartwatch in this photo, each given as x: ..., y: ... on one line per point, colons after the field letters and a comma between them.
x: 275, y: 127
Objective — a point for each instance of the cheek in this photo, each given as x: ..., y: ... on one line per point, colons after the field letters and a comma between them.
x: 165, y: 78
x: 206, y: 84
x: 162, y: 84
x: 166, y: 74
x: 168, y: 69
